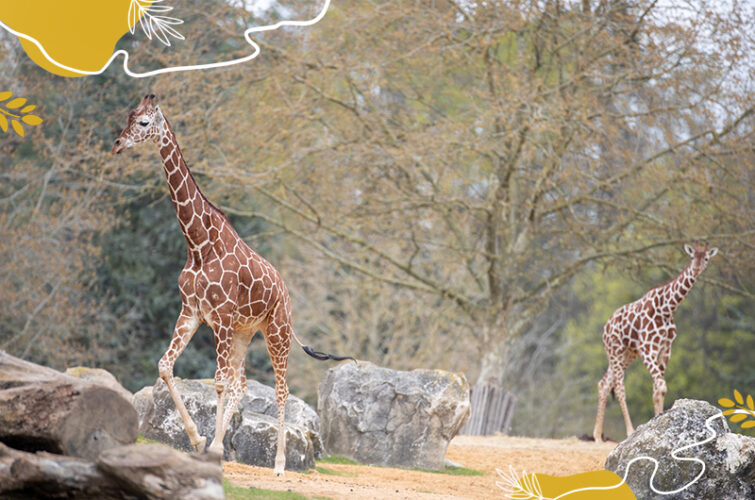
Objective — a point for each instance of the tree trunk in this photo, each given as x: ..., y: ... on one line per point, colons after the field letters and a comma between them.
x: 44, y: 410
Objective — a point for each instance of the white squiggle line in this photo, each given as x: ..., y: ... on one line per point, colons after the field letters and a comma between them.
x: 174, y: 69
x: 655, y: 464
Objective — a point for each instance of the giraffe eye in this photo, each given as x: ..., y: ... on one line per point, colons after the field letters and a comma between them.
x: 143, y: 124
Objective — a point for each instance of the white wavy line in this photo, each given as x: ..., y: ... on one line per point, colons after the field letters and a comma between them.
x: 655, y: 464
x: 174, y: 69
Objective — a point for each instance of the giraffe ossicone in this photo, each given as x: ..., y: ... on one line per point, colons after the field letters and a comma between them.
x: 646, y: 328
x: 224, y: 283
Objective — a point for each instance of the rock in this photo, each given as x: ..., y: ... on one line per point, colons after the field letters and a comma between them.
x: 251, y: 435
x: 42, y: 409
x: 254, y: 441
x: 142, y: 400
x: 125, y: 472
x: 729, y: 458
x: 101, y: 377
x: 47, y: 475
x: 386, y: 417
x: 156, y: 471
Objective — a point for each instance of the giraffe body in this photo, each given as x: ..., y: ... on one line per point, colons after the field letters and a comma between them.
x: 645, y: 328
x: 224, y: 283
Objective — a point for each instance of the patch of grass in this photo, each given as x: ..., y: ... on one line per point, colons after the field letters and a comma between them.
x: 337, y: 459
x: 141, y: 439
x: 331, y: 472
x: 454, y: 471
x: 238, y: 493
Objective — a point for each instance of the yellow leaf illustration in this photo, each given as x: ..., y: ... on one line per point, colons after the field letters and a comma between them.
x: 748, y: 424
x: 730, y: 412
x: 738, y: 397
x: 726, y: 403
x: 16, y: 103
x: 31, y: 120
x: 738, y: 417
x: 750, y: 403
x: 17, y: 127
x: 17, y: 117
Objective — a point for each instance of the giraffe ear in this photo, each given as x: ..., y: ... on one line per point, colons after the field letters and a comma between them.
x: 158, y: 117
x: 712, y: 252
x: 690, y: 251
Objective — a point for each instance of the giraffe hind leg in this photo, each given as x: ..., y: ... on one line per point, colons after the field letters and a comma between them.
x: 223, y: 376
x: 604, y: 387
x: 278, y: 340
x: 621, y: 396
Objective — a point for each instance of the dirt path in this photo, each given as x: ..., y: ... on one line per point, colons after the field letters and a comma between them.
x: 485, y: 454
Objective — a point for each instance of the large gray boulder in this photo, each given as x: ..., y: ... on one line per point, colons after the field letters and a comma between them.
x: 386, y: 417
x: 252, y: 434
x: 729, y: 458
x: 100, y: 377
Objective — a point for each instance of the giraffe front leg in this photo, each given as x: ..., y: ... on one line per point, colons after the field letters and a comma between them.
x: 659, y: 394
x: 659, y: 384
x: 237, y: 380
x: 223, y: 338
x: 185, y: 327
x: 216, y: 447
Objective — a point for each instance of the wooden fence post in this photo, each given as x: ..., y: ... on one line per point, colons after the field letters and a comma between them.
x: 492, y: 411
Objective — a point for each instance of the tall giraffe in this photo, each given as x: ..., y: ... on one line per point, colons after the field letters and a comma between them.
x: 223, y: 283
x: 646, y: 328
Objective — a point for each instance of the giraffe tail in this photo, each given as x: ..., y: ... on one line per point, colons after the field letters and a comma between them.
x: 322, y: 356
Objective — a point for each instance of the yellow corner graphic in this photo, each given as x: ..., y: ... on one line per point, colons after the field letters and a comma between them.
x: 595, y: 485
x: 79, y: 34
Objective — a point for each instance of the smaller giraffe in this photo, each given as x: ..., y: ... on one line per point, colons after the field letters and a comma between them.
x: 646, y: 328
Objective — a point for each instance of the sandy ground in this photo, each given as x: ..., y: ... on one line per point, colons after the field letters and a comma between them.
x: 557, y: 457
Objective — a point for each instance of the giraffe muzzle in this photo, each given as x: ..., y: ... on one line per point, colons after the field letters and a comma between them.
x: 118, y: 146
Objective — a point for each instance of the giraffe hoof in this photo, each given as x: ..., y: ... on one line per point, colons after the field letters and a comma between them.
x: 215, y: 449
x: 199, y: 445
x: 278, y: 472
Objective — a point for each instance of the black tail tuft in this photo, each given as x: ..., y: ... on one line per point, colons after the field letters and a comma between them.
x: 323, y: 356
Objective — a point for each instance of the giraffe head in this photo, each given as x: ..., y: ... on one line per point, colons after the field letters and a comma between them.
x: 700, y: 256
x: 145, y: 123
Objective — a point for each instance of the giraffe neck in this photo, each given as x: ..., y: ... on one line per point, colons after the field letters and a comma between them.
x: 674, y: 292
x: 193, y: 210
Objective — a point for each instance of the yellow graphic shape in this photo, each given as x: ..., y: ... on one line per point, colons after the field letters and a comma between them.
x: 740, y: 409
x: 554, y: 486
x: 80, y: 34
